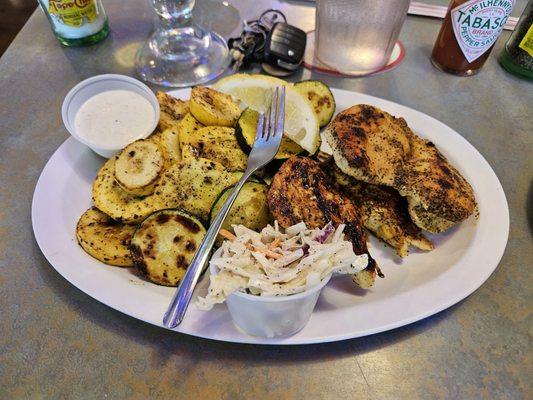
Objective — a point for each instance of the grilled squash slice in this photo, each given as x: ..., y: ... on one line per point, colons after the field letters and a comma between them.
x: 164, y: 244
x: 111, y: 199
x: 216, y: 143
x: 245, y: 132
x: 139, y: 166
x: 172, y: 110
x: 187, y: 128
x: 193, y: 185
x: 320, y: 97
x: 104, y: 238
x: 250, y: 208
x: 170, y: 145
x: 212, y: 107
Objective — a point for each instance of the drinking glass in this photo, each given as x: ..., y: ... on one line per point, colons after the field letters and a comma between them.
x: 357, y: 36
x: 179, y: 52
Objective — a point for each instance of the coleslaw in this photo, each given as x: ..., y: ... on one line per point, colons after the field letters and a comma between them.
x: 279, y: 263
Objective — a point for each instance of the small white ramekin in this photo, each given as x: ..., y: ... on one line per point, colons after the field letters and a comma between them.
x: 271, y: 316
x: 90, y: 87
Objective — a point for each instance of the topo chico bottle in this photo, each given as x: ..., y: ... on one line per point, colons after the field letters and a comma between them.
x: 76, y: 22
x: 468, y: 34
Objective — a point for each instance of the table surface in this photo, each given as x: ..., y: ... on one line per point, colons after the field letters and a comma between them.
x: 57, y: 342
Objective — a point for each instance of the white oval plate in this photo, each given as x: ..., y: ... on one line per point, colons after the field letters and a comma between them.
x: 414, y: 288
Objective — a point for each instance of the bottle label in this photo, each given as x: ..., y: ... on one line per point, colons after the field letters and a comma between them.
x: 526, y: 43
x: 73, y: 12
x: 478, y: 23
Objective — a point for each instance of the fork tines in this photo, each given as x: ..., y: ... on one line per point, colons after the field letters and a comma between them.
x: 271, y: 123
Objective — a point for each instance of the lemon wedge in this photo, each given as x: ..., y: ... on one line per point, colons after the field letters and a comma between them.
x: 301, y: 122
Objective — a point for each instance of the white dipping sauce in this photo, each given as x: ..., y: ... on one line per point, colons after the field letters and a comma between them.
x: 114, y: 118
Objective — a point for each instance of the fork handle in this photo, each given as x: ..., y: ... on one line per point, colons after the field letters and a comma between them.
x: 178, y: 306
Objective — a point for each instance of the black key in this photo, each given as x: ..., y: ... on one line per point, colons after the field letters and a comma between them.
x: 285, y: 46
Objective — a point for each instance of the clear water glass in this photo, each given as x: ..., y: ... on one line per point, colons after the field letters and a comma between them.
x: 179, y: 52
x: 358, y: 36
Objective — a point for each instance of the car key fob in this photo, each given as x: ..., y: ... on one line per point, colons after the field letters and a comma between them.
x: 285, y: 46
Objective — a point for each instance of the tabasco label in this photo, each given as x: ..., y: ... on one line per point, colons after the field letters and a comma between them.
x: 73, y: 12
x: 478, y: 23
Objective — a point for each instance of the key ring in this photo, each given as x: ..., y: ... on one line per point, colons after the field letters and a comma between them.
x: 269, y: 17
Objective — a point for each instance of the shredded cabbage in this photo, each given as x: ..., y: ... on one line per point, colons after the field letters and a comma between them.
x: 306, y: 257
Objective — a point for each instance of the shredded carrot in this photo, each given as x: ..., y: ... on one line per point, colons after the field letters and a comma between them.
x: 267, y: 252
x: 275, y: 243
x: 227, y: 234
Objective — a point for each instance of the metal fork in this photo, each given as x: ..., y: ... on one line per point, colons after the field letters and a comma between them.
x: 266, y: 145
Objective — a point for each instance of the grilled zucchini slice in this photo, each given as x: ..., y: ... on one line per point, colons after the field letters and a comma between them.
x: 320, y: 97
x: 104, y: 238
x: 171, y: 111
x: 216, y: 143
x: 250, y: 208
x: 164, y: 244
x: 211, y: 107
x: 139, y: 166
x: 246, y: 130
x: 193, y: 185
x: 111, y: 199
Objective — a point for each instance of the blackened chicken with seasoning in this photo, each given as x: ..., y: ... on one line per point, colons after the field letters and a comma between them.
x: 438, y: 195
x: 375, y: 147
x: 383, y: 211
x: 301, y: 191
x: 369, y: 144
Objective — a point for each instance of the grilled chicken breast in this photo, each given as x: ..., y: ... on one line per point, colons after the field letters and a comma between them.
x: 369, y: 144
x: 437, y: 194
x: 383, y: 212
x: 301, y: 191
x: 375, y: 147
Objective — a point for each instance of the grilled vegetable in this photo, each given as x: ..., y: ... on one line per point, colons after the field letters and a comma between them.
x: 164, y: 244
x: 212, y: 107
x: 194, y: 184
x: 216, y: 143
x: 111, y: 199
x: 320, y: 97
x: 187, y: 128
x: 246, y: 130
x: 138, y: 167
x: 104, y: 238
x: 301, y: 121
x: 169, y: 143
x: 250, y: 208
x: 171, y: 111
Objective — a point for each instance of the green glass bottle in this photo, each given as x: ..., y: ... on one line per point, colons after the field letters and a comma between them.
x: 517, y: 54
x: 76, y: 22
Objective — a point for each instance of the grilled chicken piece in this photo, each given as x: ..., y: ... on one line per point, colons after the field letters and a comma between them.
x: 383, y: 211
x: 369, y: 144
x: 300, y: 191
x: 375, y: 147
x: 437, y: 194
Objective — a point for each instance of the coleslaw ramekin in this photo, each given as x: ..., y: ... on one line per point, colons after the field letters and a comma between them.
x: 272, y: 316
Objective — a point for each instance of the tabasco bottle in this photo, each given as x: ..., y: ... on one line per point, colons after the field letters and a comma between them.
x: 468, y: 34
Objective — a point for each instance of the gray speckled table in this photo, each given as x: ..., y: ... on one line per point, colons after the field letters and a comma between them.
x: 56, y: 342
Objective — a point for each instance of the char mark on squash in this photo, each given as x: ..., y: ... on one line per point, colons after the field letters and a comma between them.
x: 187, y: 224
x: 138, y: 259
